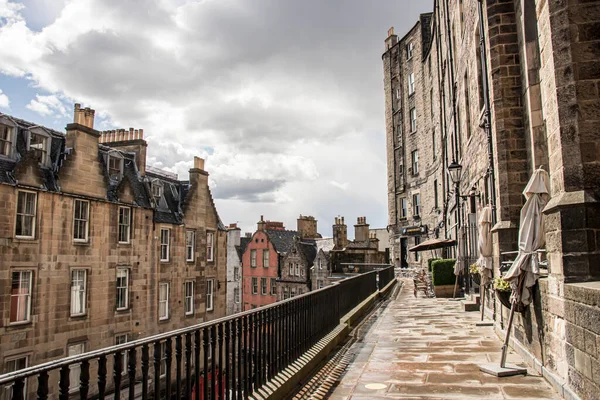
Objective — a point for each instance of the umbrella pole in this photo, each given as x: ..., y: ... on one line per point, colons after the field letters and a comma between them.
x: 507, y: 338
x: 483, y: 301
x: 455, y: 286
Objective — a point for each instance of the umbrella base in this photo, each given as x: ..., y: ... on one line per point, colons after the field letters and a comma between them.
x: 497, y: 370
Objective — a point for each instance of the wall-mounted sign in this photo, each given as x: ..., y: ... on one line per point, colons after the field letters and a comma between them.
x: 414, y: 230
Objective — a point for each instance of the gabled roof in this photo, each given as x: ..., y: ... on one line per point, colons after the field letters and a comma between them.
x: 309, y: 250
x: 326, y: 244
x: 282, y: 240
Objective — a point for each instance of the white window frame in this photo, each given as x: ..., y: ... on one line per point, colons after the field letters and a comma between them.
x: 409, y: 51
x: 190, y: 245
x: 403, y: 208
x: 45, y: 145
x: 124, y: 227
x: 273, y: 286
x: 210, y: 298
x: 236, y: 273
x: 265, y: 258
x: 297, y: 269
x: 413, y: 120
x: 165, y: 245
x: 75, y: 369
x: 411, y: 83
x: 7, y: 145
x: 253, y: 258
x: 264, y: 286
x: 292, y: 293
x: 7, y: 389
x: 123, y: 289
x: 26, y: 214
x: 22, y: 297
x: 416, y: 204
x: 124, y: 355
x: 79, y: 292
x: 414, y: 157
x: 188, y: 294
x: 83, y: 220
x: 157, y: 190
x: 210, y: 246
x: 163, y: 300
x: 254, y: 283
x: 320, y: 263
x: 285, y: 293
x: 115, y: 155
x: 236, y: 295
x: 291, y: 269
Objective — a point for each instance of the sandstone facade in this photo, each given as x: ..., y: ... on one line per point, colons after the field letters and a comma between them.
x: 532, y: 102
x: 97, y: 249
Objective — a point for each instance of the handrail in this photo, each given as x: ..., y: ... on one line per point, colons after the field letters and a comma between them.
x: 259, y: 342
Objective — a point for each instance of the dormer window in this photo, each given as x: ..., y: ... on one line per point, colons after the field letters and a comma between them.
x: 6, y: 140
x: 115, y: 166
x: 40, y: 145
x: 157, y: 190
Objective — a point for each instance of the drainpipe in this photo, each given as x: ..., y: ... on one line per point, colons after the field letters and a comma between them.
x: 487, y: 113
x: 444, y: 142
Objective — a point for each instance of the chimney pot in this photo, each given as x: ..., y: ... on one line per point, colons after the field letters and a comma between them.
x: 198, y: 163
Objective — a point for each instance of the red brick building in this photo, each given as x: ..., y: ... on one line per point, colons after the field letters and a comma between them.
x: 261, y: 263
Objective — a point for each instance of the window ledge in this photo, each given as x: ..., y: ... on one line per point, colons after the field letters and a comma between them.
x: 123, y: 244
x: 26, y: 239
x: 78, y: 317
x: 163, y: 320
x: 123, y: 310
x: 19, y: 324
x: 81, y: 243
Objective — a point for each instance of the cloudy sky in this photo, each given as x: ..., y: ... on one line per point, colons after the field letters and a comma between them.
x: 283, y: 98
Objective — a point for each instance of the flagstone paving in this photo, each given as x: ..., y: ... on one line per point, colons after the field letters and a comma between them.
x: 423, y: 348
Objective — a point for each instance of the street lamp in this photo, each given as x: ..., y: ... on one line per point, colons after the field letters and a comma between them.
x: 455, y: 172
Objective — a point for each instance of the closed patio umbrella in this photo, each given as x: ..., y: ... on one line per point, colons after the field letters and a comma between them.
x: 524, y: 272
x: 459, y: 265
x: 484, y: 245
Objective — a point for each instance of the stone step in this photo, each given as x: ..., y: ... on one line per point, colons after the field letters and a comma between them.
x: 470, y: 306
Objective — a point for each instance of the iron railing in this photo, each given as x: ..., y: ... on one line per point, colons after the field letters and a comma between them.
x: 386, y: 275
x: 228, y: 358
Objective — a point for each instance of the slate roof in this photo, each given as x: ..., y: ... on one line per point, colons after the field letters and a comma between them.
x: 309, y: 250
x: 366, y: 244
x: 244, y: 241
x: 281, y: 239
x: 168, y: 210
x: 426, y: 34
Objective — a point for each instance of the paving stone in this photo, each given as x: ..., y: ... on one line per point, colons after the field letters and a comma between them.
x: 422, y: 348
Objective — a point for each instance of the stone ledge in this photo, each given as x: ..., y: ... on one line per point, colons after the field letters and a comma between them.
x: 554, y: 380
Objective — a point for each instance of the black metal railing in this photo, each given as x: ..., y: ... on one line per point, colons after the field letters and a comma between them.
x: 228, y: 358
x: 386, y: 275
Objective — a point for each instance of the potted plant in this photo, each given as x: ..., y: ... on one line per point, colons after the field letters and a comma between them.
x: 443, y: 278
x: 503, y: 292
x: 474, y: 271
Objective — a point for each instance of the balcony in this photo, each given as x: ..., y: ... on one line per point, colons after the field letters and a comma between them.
x: 249, y: 354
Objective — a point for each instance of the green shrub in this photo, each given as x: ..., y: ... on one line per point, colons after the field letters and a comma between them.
x: 442, y: 272
x: 430, y: 261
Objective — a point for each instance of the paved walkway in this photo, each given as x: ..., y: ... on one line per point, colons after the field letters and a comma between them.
x: 422, y: 348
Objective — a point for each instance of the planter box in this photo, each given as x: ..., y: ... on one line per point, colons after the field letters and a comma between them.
x: 504, y: 298
x: 444, y: 291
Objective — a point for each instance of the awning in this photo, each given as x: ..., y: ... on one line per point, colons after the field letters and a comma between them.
x: 433, y: 244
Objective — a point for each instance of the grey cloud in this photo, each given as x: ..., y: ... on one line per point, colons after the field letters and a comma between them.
x: 248, y: 190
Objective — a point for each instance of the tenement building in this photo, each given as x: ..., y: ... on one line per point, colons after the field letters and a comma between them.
x: 97, y: 249
x: 501, y: 88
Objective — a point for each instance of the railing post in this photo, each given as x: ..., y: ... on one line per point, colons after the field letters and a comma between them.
x: 84, y: 381
x: 132, y: 368
x: 145, y: 368
x: 42, y: 391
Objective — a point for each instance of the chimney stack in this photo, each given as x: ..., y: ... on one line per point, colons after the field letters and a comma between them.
x: 307, y: 227
x: 260, y: 226
x: 391, y: 39
x: 340, y: 234
x: 84, y: 116
x: 131, y: 140
x: 361, y: 230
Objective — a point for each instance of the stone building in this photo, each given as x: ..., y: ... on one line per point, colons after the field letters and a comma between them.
x: 515, y: 87
x: 296, y: 267
x: 261, y: 263
x: 358, y: 255
x: 321, y: 270
x: 236, y: 246
x: 415, y: 156
x: 95, y: 248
